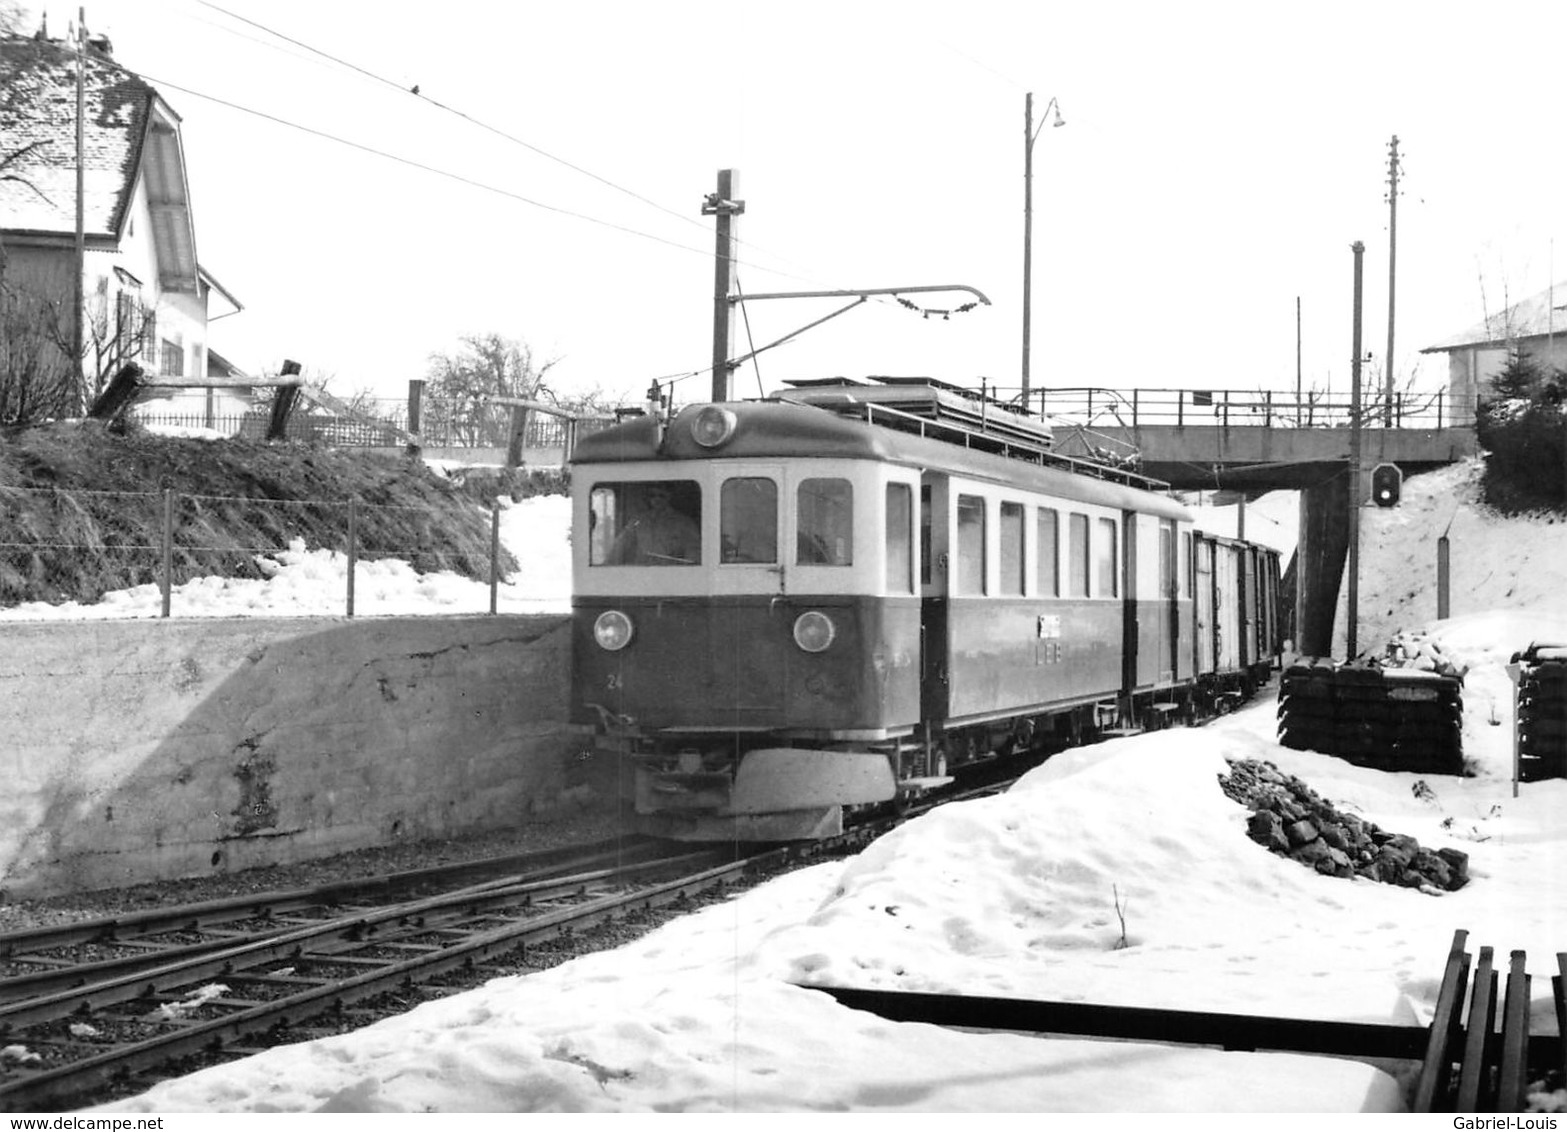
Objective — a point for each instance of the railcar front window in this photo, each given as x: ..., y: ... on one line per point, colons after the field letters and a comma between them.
x: 971, y: 544
x: 824, y: 523
x: 748, y: 520
x: 900, y: 539
x: 645, y: 523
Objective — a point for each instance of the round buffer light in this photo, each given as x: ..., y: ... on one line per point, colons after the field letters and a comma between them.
x: 814, y: 631
x: 612, y: 630
x: 712, y: 426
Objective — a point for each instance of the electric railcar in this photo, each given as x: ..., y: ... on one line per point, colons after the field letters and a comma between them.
x: 787, y: 607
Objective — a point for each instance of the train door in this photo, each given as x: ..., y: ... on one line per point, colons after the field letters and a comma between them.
x: 1202, y: 594
x: 748, y: 577
x: 933, y: 573
x: 1132, y: 664
x: 1228, y: 619
x: 1251, y: 628
x: 1169, y: 613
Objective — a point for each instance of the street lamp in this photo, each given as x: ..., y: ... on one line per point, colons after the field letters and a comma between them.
x: 1029, y: 134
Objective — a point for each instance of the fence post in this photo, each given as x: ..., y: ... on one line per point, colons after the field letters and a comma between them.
x: 514, y: 446
x: 1443, y: 577
x: 353, y: 548
x: 495, y: 552
x: 1134, y: 408
x: 1180, y: 408
x: 1267, y: 408
x: 166, y: 583
x: 415, y: 415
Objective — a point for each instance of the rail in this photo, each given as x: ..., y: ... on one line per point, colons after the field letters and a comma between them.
x: 1138, y: 408
x: 1476, y: 1061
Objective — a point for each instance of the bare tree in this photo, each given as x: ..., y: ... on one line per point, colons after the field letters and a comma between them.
x: 460, y: 385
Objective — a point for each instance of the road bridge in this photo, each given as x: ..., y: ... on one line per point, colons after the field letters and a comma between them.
x: 1256, y: 442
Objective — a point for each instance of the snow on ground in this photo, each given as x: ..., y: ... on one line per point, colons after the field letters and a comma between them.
x: 1117, y: 873
x: 303, y: 582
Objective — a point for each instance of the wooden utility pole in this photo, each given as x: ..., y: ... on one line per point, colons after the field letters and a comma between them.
x: 79, y: 303
x: 723, y: 205
x: 1392, y: 274
x: 1352, y: 614
x: 1297, y: 358
x: 1029, y: 136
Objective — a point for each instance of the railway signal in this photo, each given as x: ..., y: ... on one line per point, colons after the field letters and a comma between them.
x: 1387, y: 483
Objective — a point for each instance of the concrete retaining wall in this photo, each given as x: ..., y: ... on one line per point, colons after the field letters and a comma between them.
x: 150, y: 750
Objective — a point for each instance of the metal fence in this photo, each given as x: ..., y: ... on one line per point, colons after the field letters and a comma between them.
x: 55, y: 543
x: 386, y: 424
x: 1110, y: 408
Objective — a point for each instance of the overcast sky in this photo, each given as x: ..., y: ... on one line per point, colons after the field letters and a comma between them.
x: 1218, y: 161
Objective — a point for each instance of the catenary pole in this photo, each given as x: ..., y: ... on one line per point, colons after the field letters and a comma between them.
x: 1352, y: 613
x: 724, y: 207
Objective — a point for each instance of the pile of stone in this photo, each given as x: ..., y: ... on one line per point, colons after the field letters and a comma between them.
x: 1291, y: 819
x: 1417, y: 650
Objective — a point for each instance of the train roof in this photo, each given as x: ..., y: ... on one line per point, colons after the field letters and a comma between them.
x: 784, y: 427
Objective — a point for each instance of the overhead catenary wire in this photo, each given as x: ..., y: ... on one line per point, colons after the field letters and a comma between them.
x: 416, y: 92
x: 426, y: 167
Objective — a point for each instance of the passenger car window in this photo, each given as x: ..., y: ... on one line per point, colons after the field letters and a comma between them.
x: 1105, y: 563
x: 824, y: 523
x: 1077, y: 555
x: 1049, y: 551
x: 1012, y: 515
x: 748, y: 520
x: 645, y: 523
x: 900, y: 539
x: 971, y: 545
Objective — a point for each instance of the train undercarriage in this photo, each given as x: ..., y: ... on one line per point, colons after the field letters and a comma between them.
x: 751, y: 786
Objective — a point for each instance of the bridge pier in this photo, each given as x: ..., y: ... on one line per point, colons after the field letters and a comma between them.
x: 1319, y: 561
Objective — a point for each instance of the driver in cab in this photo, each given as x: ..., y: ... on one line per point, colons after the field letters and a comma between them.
x: 663, y: 536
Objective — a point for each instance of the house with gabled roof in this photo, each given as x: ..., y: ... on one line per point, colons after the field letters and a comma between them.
x: 146, y: 296
x: 1535, y: 328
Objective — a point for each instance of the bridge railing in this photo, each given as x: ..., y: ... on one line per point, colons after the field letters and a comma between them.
x: 1098, y: 407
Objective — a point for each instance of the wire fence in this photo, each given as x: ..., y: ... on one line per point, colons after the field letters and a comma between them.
x: 385, y: 425
x: 62, y: 546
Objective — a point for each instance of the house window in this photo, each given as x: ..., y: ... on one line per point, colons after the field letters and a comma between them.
x: 171, y: 359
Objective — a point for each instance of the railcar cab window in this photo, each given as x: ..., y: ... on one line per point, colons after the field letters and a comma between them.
x: 824, y: 523
x: 748, y: 520
x: 645, y: 523
x: 971, y: 544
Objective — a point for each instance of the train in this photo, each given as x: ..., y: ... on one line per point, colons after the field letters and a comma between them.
x: 789, y: 609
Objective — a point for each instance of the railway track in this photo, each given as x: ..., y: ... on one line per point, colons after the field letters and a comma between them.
x: 205, y: 979
x: 105, y: 1007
